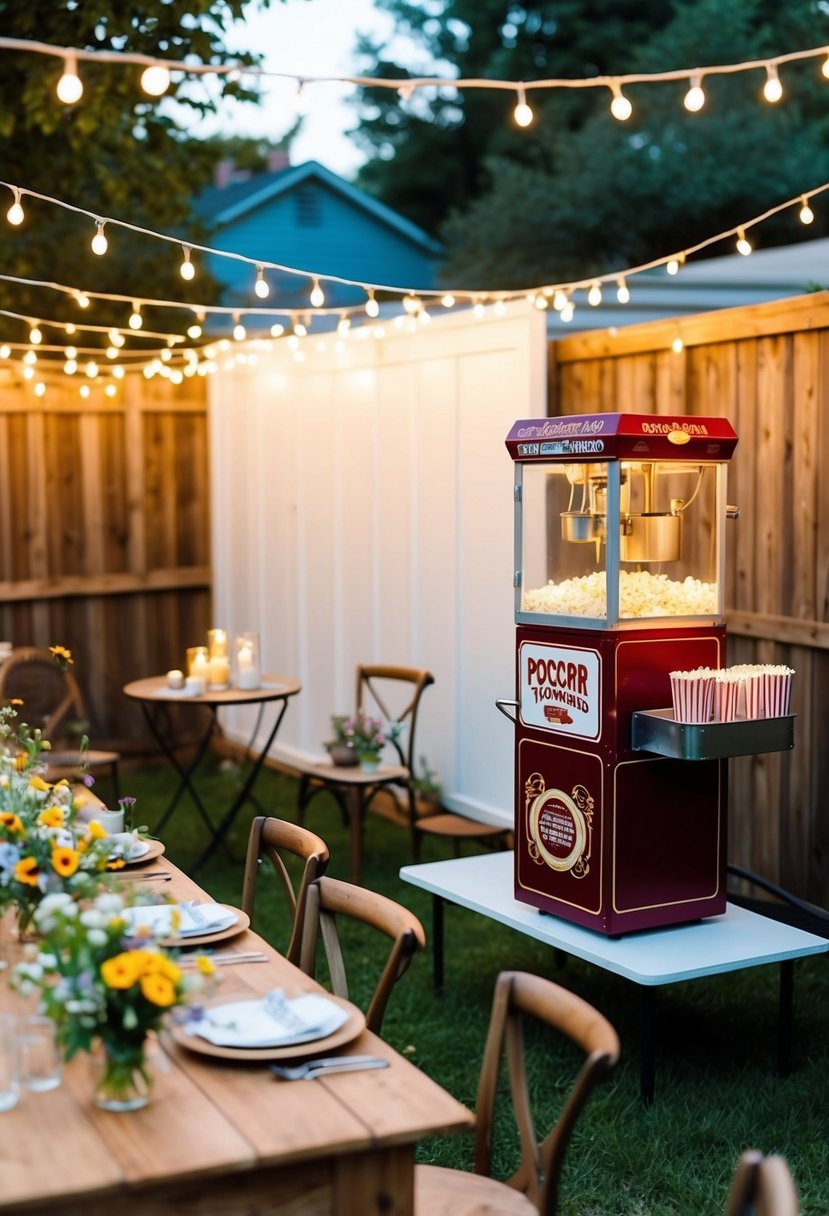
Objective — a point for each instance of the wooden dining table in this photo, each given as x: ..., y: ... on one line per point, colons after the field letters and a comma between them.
x: 220, y: 1136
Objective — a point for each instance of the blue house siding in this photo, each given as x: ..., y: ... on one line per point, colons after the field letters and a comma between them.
x: 318, y: 226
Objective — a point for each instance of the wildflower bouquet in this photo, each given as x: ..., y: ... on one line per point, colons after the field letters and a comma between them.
x: 103, y: 985
x: 40, y: 848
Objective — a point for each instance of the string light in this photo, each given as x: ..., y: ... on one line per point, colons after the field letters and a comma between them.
x: 155, y: 80
x: 81, y: 299
x: 195, y: 329
x: 622, y: 291
x: 15, y: 214
x: 187, y: 270
x: 568, y: 311
x: 317, y: 295
x: 343, y: 325
x: 99, y: 242
x: 806, y: 213
x: 620, y: 107
x: 136, y: 320
x: 372, y: 307
x: 406, y: 90
x: 277, y: 331
x: 522, y: 113
x: 239, y: 331
x: 70, y: 86
x: 677, y: 346
x: 35, y: 335
x: 743, y: 244
x: 261, y: 287
x: 447, y: 300
x: 299, y: 329
x: 594, y: 295
x: 772, y: 89
x: 694, y: 99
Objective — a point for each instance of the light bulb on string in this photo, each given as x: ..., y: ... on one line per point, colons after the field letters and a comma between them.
x: 677, y: 346
x: 5, y: 351
x: 300, y: 329
x: 239, y: 331
x: 478, y: 309
x: 118, y: 372
x: 317, y: 296
x: 81, y: 299
x: 155, y: 80
x: 594, y: 295
x: 806, y: 213
x: 112, y: 352
x: 277, y: 330
x: 261, y: 287
x: 622, y: 291
x: 559, y: 299
x: 40, y: 389
x: 84, y: 390
x: 71, y: 328
x: 91, y: 369
x: 743, y: 244
x: 195, y: 329
x: 448, y: 300
x: 187, y: 270
x: 30, y: 358
x: 165, y: 355
x: 499, y: 308
x: 540, y: 301
x: 343, y: 325
x: 110, y: 390
x: 672, y: 266
x: 136, y: 320
x: 568, y: 312
x: 116, y: 338
x: 71, y: 352
x: 694, y: 99
x: 70, y: 366
x: 620, y: 107
x: 99, y: 242
x: 70, y: 86
x: 772, y: 89
x: 15, y: 214
x: 372, y: 307
x: 35, y: 335
x: 301, y: 98
x: 522, y: 113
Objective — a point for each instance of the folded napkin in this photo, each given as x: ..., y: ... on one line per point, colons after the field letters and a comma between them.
x: 272, y: 1021
x: 194, y: 919
x: 127, y: 845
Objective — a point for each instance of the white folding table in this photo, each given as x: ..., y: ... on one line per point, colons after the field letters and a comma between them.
x: 649, y: 958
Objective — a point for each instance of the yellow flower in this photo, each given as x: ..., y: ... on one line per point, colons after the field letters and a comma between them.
x: 159, y: 964
x: 158, y: 989
x: 52, y: 817
x: 96, y: 831
x: 26, y: 871
x: 21, y: 760
x: 9, y: 820
x: 123, y: 969
x: 65, y: 861
x: 37, y: 783
x: 61, y: 655
x: 118, y: 863
x: 205, y: 965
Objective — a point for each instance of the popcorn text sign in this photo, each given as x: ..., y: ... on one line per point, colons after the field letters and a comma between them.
x: 560, y: 688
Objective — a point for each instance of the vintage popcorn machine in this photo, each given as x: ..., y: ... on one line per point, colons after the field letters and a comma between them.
x: 620, y: 523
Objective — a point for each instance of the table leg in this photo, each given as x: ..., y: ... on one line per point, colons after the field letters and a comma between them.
x: 185, y: 772
x: 437, y: 944
x: 785, y: 1017
x: 220, y: 831
x: 647, y: 1046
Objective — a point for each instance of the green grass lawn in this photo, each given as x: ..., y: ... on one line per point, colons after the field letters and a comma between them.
x: 716, y: 1089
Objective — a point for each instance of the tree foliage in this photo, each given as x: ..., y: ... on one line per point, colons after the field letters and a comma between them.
x: 115, y: 153
x: 579, y: 193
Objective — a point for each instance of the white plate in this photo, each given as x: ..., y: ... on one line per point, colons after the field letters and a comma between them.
x: 302, y: 1019
x: 195, y: 920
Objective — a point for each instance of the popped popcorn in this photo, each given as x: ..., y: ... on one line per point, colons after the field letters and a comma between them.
x: 641, y: 594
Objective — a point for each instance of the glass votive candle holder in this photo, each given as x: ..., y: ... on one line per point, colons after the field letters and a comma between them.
x: 248, y: 668
x: 197, y: 663
x: 217, y: 643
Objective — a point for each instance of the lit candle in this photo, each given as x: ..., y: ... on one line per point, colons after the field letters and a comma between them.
x: 217, y: 643
x: 247, y: 661
x: 197, y: 661
x: 219, y: 673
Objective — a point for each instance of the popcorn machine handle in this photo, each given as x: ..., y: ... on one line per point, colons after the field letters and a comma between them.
x: 505, y: 706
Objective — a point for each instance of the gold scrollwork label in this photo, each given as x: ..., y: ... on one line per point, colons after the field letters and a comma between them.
x: 559, y: 826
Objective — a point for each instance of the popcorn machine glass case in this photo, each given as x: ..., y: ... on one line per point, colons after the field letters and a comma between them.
x: 619, y: 579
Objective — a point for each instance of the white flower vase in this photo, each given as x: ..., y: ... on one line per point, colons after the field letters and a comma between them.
x: 369, y: 762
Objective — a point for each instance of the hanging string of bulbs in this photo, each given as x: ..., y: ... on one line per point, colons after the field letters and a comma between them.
x: 157, y: 74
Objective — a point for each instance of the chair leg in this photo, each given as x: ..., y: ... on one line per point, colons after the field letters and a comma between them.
x: 302, y: 800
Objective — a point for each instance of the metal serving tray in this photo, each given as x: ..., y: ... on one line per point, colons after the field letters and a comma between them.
x: 654, y: 730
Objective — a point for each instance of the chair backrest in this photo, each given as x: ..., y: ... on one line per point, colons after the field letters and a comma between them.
x: 518, y: 993
x: 51, y: 697
x: 393, y: 694
x: 762, y: 1186
x: 329, y: 898
x: 271, y: 838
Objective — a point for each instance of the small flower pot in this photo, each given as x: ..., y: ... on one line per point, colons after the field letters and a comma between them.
x: 369, y: 762
x: 343, y: 755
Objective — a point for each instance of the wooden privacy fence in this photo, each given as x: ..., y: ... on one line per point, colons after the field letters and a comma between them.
x: 766, y: 369
x: 104, y: 532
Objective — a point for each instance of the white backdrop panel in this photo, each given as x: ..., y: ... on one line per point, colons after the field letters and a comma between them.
x: 362, y: 511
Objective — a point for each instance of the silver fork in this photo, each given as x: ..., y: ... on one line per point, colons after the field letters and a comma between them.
x: 321, y: 1068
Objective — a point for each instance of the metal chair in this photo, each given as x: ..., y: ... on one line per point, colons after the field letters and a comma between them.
x: 328, y: 899
x: 533, y: 1189
x: 271, y: 838
x: 393, y: 694
x: 762, y: 1186
x: 52, y: 701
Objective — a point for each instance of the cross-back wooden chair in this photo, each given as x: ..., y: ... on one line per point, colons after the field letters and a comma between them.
x: 271, y: 838
x: 762, y: 1186
x: 330, y: 898
x: 393, y: 694
x: 52, y: 700
x: 533, y: 1189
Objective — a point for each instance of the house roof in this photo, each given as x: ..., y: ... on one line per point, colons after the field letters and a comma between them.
x: 221, y: 205
x: 732, y: 281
